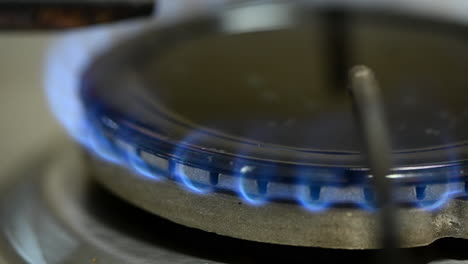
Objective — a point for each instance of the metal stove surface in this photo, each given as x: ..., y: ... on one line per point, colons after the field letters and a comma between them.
x: 51, y: 212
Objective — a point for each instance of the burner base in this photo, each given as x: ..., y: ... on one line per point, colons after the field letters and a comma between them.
x: 51, y: 211
x: 277, y: 222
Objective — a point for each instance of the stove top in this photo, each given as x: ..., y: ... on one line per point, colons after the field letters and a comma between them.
x: 55, y: 209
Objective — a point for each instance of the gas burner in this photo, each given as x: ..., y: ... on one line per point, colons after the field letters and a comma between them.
x: 52, y: 211
x: 146, y: 188
x: 239, y: 122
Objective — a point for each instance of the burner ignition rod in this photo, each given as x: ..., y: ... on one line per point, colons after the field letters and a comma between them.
x: 369, y: 113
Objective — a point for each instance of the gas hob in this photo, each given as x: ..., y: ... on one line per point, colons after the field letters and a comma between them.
x: 54, y: 210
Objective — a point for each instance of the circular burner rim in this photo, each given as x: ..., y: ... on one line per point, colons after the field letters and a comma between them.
x: 108, y: 70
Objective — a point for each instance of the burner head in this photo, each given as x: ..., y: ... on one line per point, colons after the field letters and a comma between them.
x: 251, y: 101
x: 260, y: 90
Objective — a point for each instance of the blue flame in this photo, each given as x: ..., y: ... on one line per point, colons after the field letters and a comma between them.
x: 242, y: 173
x: 439, y: 203
x: 136, y: 163
x: 189, y: 184
x: 180, y: 173
x: 255, y: 200
x: 450, y: 193
x: 65, y: 61
x: 101, y: 147
x: 303, y: 197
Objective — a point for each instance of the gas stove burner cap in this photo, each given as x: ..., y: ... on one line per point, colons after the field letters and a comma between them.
x: 251, y: 100
x: 227, y: 88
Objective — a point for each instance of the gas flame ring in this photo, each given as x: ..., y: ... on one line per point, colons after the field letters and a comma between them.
x: 428, y: 188
x: 258, y: 188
